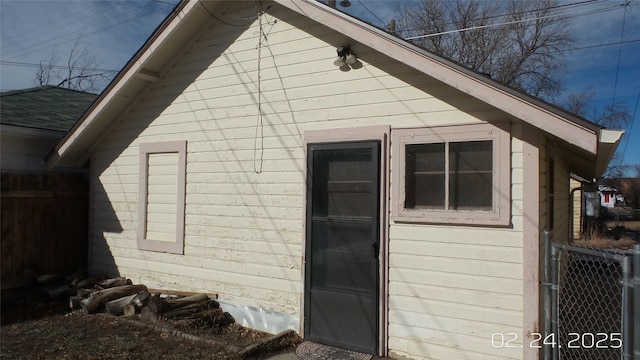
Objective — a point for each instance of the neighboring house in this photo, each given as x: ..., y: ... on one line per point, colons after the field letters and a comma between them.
x: 32, y: 121
x: 396, y: 208
x: 610, y: 197
x: 579, y: 205
x: 44, y: 213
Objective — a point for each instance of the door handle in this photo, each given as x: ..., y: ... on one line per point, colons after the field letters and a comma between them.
x: 376, y: 249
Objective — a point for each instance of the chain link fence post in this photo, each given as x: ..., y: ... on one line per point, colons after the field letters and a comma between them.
x: 626, y: 308
x: 636, y: 302
x: 555, y: 276
x: 546, y: 283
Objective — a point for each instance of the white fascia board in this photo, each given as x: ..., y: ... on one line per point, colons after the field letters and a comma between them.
x: 607, y: 145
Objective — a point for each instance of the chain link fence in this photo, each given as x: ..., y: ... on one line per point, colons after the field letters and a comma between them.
x: 590, y: 306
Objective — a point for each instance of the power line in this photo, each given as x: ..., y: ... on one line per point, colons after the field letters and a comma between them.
x: 68, y: 25
x: 53, y: 44
x: 33, y: 65
x: 602, y: 45
x: 46, y: 28
x: 514, y: 22
x: 615, y: 84
x: 371, y: 12
x: 576, y: 4
x: 633, y: 120
x: 164, y: 2
x: 251, y: 19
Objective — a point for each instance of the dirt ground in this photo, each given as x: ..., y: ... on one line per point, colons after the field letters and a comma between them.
x: 38, y: 329
x: 631, y: 225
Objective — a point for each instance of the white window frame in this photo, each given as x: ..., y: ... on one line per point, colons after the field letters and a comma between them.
x: 499, y: 215
x: 180, y: 148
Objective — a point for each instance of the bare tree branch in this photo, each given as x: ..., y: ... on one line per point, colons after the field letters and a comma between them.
x: 519, y: 44
x: 81, y: 71
x: 615, y: 115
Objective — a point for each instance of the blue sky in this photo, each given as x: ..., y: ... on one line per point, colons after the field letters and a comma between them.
x: 607, y: 60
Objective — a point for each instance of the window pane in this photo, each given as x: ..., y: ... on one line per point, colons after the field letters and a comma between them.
x: 471, y: 175
x: 425, y: 176
x: 471, y: 156
x: 471, y: 192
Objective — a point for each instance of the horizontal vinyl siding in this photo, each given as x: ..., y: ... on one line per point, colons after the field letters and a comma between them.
x: 453, y: 287
x: 450, y: 287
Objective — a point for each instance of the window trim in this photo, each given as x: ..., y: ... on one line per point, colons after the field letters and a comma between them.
x: 179, y: 147
x: 498, y: 133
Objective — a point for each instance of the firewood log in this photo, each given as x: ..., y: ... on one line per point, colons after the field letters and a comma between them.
x: 90, y: 282
x: 119, y: 281
x: 74, y: 302
x: 95, y: 300
x: 211, y: 318
x: 157, y: 305
x: 148, y: 315
x: 187, y: 299
x: 48, y: 278
x: 83, y: 293
x: 59, y: 291
x: 129, y: 310
x: 189, y: 309
x: 141, y: 299
x: 116, y: 307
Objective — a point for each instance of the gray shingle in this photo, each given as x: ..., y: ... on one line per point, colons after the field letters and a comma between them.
x: 45, y: 107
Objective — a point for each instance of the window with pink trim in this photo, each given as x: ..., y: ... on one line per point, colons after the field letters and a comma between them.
x: 455, y: 174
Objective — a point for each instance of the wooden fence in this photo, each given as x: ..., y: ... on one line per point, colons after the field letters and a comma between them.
x: 44, y: 225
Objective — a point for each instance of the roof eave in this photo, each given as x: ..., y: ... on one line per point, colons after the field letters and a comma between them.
x: 572, y: 129
x: 608, y: 142
x: 575, y: 131
x: 133, y: 70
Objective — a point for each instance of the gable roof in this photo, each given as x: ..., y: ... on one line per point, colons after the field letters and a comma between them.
x: 45, y: 107
x: 593, y: 143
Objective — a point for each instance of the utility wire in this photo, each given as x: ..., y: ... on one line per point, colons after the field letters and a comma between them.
x: 74, y: 32
x: 165, y: 2
x: 514, y: 22
x: 602, y: 45
x: 252, y: 19
x: 633, y: 120
x: 615, y: 83
x: 46, y: 28
x: 24, y: 64
x: 371, y: 12
x: 54, y: 30
x: 576, y: 4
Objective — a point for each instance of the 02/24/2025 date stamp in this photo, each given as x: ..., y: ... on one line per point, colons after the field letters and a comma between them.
x: 573, y: 340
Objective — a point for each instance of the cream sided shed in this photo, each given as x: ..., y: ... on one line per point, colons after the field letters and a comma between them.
x: 395, y: 208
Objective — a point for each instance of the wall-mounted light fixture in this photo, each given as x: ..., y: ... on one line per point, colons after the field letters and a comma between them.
x: 346, y: 59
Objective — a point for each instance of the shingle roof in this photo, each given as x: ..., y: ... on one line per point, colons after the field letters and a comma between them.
x: 45, y: 107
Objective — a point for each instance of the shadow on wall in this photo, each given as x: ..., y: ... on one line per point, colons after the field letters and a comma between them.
x: 115, y: 186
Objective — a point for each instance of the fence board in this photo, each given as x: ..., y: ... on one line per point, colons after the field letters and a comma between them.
x: 44, y: 220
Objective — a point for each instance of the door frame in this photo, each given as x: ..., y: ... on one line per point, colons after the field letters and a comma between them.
x: 366, y: 133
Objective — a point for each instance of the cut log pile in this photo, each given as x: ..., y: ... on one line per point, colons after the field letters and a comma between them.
x: 120, y: 297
